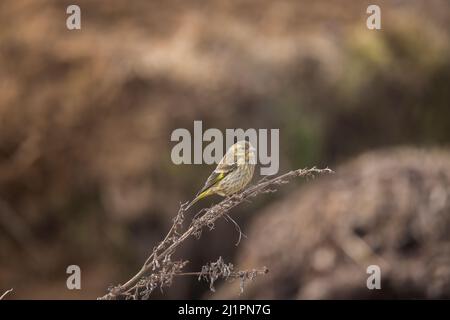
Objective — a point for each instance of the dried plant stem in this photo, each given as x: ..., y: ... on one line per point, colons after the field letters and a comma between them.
x: 5, y: 293
x: 160, y: 256
x: 232, y: 275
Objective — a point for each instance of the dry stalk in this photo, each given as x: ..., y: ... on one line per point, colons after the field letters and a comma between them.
x: 159, y: 270
x: 5, y: 293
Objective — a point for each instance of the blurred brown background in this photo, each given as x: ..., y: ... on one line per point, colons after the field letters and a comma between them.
x: 86, y: 116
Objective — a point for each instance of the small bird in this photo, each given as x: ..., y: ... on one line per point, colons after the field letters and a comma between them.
x: 232, y: 174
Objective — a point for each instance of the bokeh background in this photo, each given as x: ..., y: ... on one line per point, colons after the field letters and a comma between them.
x: 86, y: 117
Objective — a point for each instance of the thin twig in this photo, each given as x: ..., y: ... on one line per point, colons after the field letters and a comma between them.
x: 238, y: 228
x: 6, y: 293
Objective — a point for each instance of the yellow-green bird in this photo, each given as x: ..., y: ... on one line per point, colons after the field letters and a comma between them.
x: 232, y: 174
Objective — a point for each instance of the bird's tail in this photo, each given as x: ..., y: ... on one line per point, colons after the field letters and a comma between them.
x: 198, y: 197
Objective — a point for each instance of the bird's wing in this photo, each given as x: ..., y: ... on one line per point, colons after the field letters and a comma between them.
x: 222, y: 170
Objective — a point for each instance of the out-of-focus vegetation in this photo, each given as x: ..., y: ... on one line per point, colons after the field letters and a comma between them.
x: 386, y: 208
x: 86, y: 116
